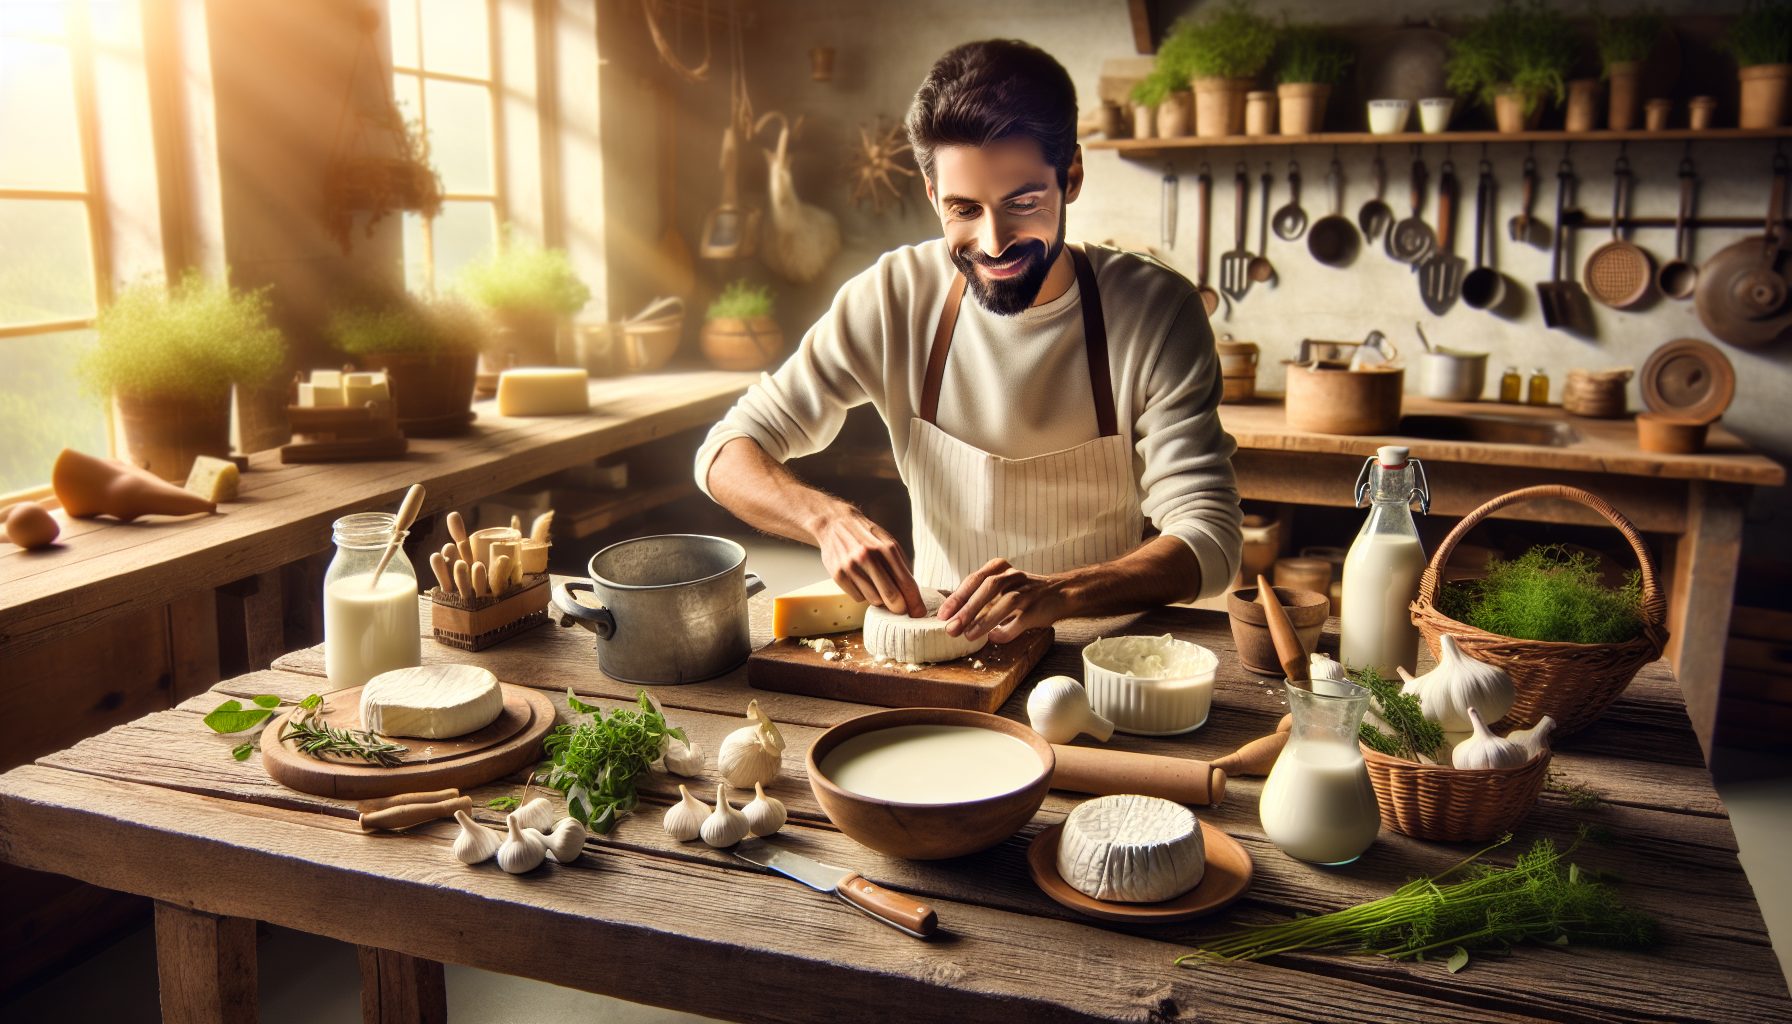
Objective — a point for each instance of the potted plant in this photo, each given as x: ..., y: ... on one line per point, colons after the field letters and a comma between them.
x: 169, y: 357
x: 1308, y: 64
x: 739, y: 332
x: 429, y: 349
x: 1158, y: 108
x: 530, y: 292
x: 391, y: 174
x: 1761, y: 39
x: 1624, y: 44
x: 1220, y: 53
x: 1511, y: 59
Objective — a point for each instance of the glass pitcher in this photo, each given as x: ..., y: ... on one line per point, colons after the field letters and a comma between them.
x: 1317, y: 803
x: 368, y: 629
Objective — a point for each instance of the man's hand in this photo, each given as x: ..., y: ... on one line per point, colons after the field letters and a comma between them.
x: 867, y: 562
x: 1003, y: 602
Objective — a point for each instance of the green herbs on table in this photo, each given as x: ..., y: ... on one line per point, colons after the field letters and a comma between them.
x: 1411, y: 735
x: 1549, y: 593
x: 595, y: 761
x: 304, y: 728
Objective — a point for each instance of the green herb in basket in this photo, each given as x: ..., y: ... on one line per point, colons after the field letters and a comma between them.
x: 1551, y: 594
x: 1409, y: 732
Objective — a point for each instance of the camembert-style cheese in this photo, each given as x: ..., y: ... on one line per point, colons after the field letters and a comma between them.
x: 916, y: 641
x: 1132, y: 849
x: 433, y: 702
x: 816, y: 610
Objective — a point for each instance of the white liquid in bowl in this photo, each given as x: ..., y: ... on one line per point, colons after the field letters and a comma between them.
x: 932, y: 764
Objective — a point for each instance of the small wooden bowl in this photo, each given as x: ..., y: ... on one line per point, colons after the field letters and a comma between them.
x: 928, y: 831
x: 1668, y: 436
x: 1250, y: 630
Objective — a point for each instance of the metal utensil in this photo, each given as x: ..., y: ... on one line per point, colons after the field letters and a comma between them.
x: 1261, y: 270
x: 903, y: 913
x: 1375, y: 217
x: 1679, y: 277
x: 1333, y: 240
x: 1563, y: 302
x: 1411, y: 240
x: 1210, y: 299
x: 1172, y: 185
x: 1523, y: 226
x: 1744, y: 295
x: 1422, y: 339
x: 1440, y: 275
x: 1618, y: 273
x: 1291, y: 220
x: 1484, y: 287
x: 1235, y: 266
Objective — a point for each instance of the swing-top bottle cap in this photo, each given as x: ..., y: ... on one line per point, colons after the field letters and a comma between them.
x: 1392, y: 456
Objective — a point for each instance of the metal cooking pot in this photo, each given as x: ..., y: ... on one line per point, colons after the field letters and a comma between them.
x: 1452, y: 375
x: 674, y: 607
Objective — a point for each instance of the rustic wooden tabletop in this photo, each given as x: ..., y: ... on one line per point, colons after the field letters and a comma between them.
x: 158, y: 807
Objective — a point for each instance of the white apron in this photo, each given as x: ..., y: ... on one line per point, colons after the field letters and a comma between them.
x: 1045, y: 514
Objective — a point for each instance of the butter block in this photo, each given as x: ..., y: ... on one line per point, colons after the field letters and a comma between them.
x: 816, y: 610
x: 326, y: 389
x: 214, y: 479
x: 543, y: 391
x: 360, y: 388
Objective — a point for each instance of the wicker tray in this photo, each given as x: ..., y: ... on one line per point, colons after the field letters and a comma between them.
x: 1453, y: 805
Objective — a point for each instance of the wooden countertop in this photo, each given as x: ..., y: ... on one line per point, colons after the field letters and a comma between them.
x: 102, y: 567
x: 158, y: 807
x: 1599, y: 446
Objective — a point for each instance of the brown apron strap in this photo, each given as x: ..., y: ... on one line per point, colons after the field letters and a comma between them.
x: 942, y: 344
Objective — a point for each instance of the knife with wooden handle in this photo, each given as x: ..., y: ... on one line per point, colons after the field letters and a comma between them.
x: 903, y: 913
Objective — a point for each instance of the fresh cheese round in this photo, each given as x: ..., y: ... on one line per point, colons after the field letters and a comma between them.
x: 432, y: 702
x: 1131, y: 849
x: 915, y: 641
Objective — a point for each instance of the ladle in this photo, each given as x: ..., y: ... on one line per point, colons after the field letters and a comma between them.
x: 1261, y: 270
x: 1376, y: 216
x: 1679, y: 278
x: 1291, y: 220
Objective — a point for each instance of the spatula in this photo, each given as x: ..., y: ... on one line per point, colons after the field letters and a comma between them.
x: 1440, y: 275
x: 1235, y: 266
x: 1561, y: 301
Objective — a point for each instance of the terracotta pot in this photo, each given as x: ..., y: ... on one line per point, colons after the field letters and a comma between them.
x: 735, y: 343
x: 433, y: 391
x: 1303, y: 106
x: 1626, y: 95
x: 1764, y: 95
x: 1250, y: 629
x: 1701, y: 111
x: 524, y: 338
x: 1174, y: 114
x: 164, y: 435
x: 1260, y: 112
x: 1219, y: 106
x: 1656, y: 114
x: 1143, y: 119
x: 1508, y: 112
x: 1583, y: 105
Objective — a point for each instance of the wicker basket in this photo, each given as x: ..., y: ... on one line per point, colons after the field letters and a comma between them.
x: 1453, y: 805
x: 1574, y: 683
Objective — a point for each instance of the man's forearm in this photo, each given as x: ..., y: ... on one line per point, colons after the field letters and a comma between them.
x: 765, y: 495
x: 1155, y: 573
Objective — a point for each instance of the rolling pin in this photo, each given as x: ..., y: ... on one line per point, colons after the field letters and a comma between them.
x: 1259, y: 755
x: 432, y: 797
x: 1107, y: 772
x: 406, y: 815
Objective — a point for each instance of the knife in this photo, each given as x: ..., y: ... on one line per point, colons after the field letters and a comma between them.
x: 903, y: 913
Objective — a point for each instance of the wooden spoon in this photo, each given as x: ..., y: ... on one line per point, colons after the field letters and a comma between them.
x: 407, y: 514
x: 1289, y: 651
x: 457, y: 528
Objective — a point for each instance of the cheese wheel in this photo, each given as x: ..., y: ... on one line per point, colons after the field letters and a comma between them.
x: 916, y: 641
x: 1132, y: 849
x: 816, y: 609
x: 432, y: 702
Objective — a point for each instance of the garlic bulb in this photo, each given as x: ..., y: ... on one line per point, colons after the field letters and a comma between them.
x: 537, y: 814
x: 1320, y: 666
x: 1534, y: 740
x: 725, y: 825
x: 523, y: 850
x: 764, y: 814
x: 1058, y: 709
x: 476, y: 844
x: 566, y: 841
x: 1458, y: 683
x: 1485, y: 750
x: 684, y: 819
x: 684, y: 759
x: 753, y: 753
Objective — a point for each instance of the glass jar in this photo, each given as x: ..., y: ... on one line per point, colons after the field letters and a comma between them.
x: 1318, y: 804
x: 369, y: 627
x: 1538, y: 388
x: 1382, y: 568
x: 1512, y: 386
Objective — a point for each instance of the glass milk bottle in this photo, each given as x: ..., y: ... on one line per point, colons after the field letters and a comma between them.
x: 1317, y: 804
x: 1381, y: 571
x: 368, y: 629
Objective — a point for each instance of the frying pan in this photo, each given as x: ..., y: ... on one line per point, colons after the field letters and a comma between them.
x: 1742, y: 296
x: 1210, y: 299
x: 1677, y: 278
x: 1291, y: 220
x: 1562, y: 301
x: 1410, y: 240
x: 1484, y: 287
x: 1618, y: 274
x: 1333, y: 240
x: 1375, y: 217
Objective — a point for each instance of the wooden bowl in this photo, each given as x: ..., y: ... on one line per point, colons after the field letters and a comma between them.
x: 928, y: 831
x: 1329, y: 400
x: 1250, y: 630
x: 1669, y: 436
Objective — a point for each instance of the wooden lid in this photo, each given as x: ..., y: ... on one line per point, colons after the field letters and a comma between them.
x: 1688, y: 380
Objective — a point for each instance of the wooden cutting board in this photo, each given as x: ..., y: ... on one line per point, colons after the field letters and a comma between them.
x: 511, y: 743
x: 789, y: 667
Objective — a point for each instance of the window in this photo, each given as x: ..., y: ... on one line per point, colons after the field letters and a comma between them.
x: 445, y: 76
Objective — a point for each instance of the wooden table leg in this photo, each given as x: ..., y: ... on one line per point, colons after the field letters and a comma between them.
x: 400, y: 989
x: 207, y: 967
x: 1702, y: 585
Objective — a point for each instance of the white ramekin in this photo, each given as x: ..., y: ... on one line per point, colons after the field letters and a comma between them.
x: 1388, y: 117
x: 1162, y: 700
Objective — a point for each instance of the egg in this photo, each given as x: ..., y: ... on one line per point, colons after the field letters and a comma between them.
x: 29, y: 525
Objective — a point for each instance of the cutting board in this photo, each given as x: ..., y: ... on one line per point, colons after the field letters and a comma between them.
x: 511, y: 743
x: 789, y: 667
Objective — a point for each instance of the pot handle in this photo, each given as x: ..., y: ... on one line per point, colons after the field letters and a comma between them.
x: 754, y: 584
x: 598, y: 620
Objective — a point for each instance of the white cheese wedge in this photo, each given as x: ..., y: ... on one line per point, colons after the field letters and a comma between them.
x: 214, y: 479
x: 1132, y: 849
x: 919, y: 641
x: 432, y: 702
x: 815, y: 610
x: 543, y: 391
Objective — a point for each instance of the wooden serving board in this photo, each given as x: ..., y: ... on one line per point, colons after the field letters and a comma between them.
x: 511, y: 743
x: 789, y: 667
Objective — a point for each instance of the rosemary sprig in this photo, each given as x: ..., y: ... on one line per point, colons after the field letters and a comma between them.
x: 315, y: 737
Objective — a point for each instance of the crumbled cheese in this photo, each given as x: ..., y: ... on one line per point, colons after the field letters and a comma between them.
x: 830, y: 655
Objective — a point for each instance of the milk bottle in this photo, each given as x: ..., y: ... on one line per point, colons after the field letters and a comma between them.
x: 1317, y: 804
x: 1381, y: 572
x: 369, y: 627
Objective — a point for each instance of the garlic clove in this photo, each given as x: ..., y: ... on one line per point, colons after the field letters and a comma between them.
x: 523, y: 849
x: 476, y: 844
x: 752, y: 753
x: 684, y: 819
x: 566, y: 841
x: 725, y: 825
x: 1320, y: 666
x: 1458, y: 683
x: 764, y: 814
x: 684, y: 759
x: 537, y: 814
x: 1536, y: 738
x: 1058, y: 710
x: 1484, y: 750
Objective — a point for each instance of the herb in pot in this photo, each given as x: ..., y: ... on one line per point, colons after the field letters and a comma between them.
x: 1229, y: 41
x: 1412, y: 733
x: 409, y: 325
x: 1549, y: 594
x: 741, y: 300
x: 595, y: 762
x: 1628, y: 38
x: 1523, y: 47
x: 1309, y: 55
x: 1762, y: 34
x: 1154, y: 88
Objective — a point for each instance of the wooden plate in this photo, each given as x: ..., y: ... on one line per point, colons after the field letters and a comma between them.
x: 510, y: 743
x: 1688, y: 380
x: 1228, y: 875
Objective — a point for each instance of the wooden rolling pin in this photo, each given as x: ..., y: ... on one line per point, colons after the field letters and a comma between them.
x: 431, y: 797
x: 1107, y: 772
x: 1258, y: 756
x: 406, y: 815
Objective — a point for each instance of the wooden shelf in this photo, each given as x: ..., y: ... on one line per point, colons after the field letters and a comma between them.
x: 1142, y: 149
x: 581, y: 520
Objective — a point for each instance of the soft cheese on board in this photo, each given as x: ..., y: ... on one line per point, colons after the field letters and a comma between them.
x: 431, y: 701
x: 917, y: 641
x: 1132, y: 849
x: 816, y: 610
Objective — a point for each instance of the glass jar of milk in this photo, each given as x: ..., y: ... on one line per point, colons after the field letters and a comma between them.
x: 369, y: 628
x: 1318, y: 804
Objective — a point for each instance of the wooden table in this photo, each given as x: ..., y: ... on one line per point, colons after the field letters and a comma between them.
x: 158, y: 807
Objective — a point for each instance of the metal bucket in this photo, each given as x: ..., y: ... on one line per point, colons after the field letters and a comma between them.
x: 674, y: 607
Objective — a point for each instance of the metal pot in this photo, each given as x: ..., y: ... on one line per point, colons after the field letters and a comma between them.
x: 1450, y: 375
x: 674, y: 607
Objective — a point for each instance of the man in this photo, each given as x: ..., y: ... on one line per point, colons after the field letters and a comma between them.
x: 1037, y: 426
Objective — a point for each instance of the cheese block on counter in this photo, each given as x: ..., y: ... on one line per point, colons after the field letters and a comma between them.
x: 915, y: 641
x: 816, y: 610
x: 1132, y: 849
x: 214, y: 479
x: 432, y: 702
x: 543, y: 391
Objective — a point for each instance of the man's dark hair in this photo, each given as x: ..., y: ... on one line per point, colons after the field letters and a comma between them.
x: 984, y: 91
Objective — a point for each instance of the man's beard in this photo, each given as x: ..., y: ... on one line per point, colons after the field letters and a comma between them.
x: 1010, y: 295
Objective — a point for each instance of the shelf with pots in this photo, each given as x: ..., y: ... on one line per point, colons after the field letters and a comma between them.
x: 1139, y: 149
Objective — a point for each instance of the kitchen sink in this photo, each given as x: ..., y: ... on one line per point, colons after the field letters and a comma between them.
x: 1489, y: 429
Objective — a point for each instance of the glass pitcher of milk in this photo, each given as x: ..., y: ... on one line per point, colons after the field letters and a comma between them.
x: 1317, y: 804
x: 368, y: 628
x: 1381, y: 571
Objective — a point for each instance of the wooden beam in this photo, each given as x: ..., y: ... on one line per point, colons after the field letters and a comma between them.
x: 400, y: 989
x: 207, y: 966
x: 1139, y: 13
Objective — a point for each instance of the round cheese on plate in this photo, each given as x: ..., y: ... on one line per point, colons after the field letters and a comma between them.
x: 432, y: 702
x: 1131, y: 849
x: 915, y: 641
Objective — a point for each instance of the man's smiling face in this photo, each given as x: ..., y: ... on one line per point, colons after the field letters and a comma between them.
x: 1003, y: 213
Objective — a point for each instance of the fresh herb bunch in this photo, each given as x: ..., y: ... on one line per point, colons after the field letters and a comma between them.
x: 1549, y: 593
x: 741, y: 300
x: 524, y: 277
x: 317, y: 737
x: 1310, y: 55
x: 1541, y: 898
x: 1762, y: 34
x: 1521, y: 45
x: 1628, y: 38
x: 1413, y: 734
x: 428, y: 326
x: 231, y: 717
x: 192, y: 339
x: 595, y: 762
x: 1231, y: 41
x: 1155, y: 88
